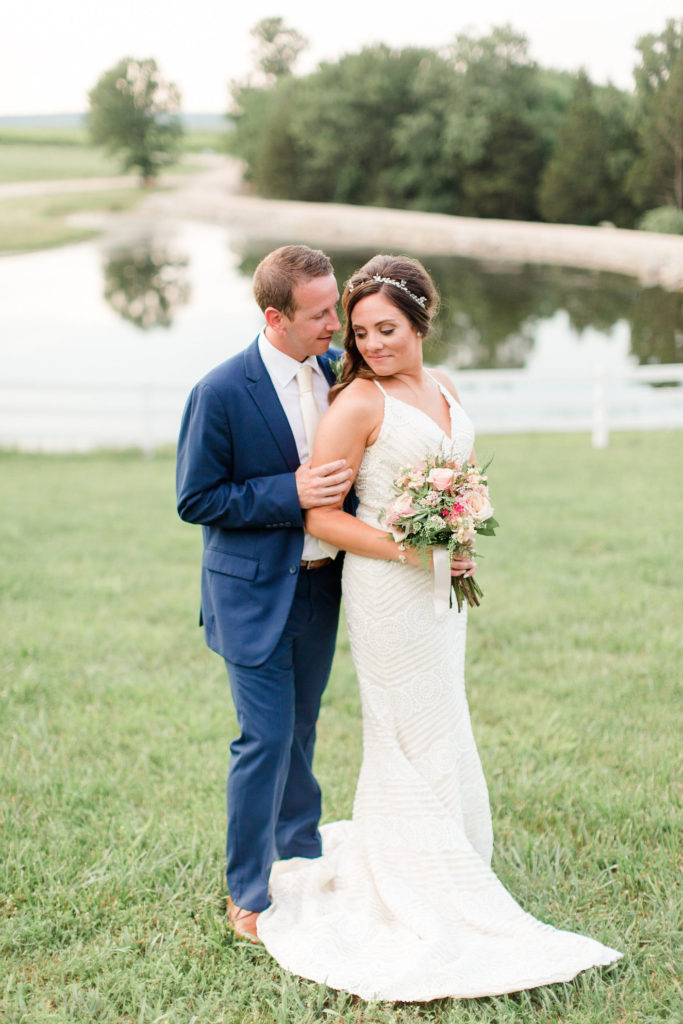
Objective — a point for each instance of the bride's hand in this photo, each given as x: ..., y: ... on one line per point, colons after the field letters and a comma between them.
x: 459, y: 566
x: 462, y: 566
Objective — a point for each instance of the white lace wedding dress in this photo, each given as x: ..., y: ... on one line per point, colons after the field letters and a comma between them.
x: 403, y: 904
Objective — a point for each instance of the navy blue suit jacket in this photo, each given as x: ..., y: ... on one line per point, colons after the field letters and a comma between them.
x: 235, y: 475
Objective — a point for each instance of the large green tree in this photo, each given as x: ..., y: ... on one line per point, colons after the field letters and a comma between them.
x: 475, y: 140
x: 343, y: 125
x: 134, y: 112
x: 259, y: 109
x: 328, y: 136
x: 576, y: 186
x: 657, y: 176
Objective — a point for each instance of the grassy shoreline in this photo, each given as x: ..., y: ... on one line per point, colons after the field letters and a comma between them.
x: 39, y: 222
x: 42, y: 222
x: 116, y: 722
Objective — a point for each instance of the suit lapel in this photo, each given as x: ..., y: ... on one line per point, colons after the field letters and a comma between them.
x: 260, y: 387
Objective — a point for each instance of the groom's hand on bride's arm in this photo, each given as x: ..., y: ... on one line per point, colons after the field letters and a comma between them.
x: 324, y: 485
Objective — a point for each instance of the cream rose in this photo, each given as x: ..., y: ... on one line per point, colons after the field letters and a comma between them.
x: 478, y: 505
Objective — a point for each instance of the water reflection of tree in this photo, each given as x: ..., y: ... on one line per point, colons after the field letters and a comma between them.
x: 145, y: 283
x: 657, y: 326
x: 488, y: 314
x: 489, y: 311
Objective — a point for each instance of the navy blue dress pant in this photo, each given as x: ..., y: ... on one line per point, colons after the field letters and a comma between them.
x: 273, y: 798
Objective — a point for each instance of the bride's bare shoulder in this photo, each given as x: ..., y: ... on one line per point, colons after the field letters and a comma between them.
x: 360, y: 396
x: 355, y: 415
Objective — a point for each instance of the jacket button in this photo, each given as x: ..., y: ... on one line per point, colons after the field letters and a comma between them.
x: 292, y: 570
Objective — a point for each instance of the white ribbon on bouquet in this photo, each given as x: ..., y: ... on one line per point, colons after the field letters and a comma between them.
x: 442, y: 581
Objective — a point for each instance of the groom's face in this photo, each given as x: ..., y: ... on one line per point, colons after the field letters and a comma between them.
x: 309, y: 331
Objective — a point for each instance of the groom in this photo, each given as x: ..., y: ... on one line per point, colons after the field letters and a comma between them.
x: 270, y: 594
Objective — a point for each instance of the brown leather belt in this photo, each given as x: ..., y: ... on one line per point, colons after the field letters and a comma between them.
x: 316, y: 563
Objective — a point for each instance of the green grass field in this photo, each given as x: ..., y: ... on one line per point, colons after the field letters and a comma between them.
x: 116, y: 722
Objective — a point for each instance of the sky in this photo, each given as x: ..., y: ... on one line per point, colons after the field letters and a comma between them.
x: 52, y: 53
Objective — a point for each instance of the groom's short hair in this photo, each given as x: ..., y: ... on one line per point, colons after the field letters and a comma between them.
x: 280, y: 271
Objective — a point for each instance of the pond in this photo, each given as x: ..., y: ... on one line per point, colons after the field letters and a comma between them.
x: 100, y: 342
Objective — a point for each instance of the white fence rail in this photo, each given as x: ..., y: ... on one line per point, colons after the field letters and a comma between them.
x: 515, y: 401
x: 80, y: 417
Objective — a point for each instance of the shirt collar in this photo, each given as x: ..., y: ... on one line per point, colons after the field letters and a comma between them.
x: 281, y: 366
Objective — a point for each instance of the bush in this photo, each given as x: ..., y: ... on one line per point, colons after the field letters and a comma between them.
x: 666, y: 219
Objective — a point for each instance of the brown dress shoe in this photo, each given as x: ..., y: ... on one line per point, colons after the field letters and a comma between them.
x: 243, y: 922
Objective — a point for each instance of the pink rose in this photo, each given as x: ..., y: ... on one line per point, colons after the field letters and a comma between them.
x: 399, y: 509
x: 402, y: 506
x: 478, y: 505
x: 440, y: 478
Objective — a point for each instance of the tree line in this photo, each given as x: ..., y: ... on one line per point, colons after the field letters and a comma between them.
x: 476, y: 129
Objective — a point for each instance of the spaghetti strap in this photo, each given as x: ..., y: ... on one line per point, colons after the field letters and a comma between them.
x: 381, y: 389
x: 444, y: 390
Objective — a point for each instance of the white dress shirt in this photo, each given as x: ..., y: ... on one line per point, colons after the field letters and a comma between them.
x: 282, y: 372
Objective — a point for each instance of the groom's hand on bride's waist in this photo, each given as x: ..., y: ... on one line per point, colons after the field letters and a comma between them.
x: 324, y: 485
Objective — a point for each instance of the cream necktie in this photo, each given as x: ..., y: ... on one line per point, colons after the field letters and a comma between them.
x: 309, y: 407
x: 311, y: 416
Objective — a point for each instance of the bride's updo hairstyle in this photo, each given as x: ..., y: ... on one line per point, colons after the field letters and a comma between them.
x: 407, y: 285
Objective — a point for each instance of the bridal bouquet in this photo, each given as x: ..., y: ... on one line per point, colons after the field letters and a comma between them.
x: 442, y: 503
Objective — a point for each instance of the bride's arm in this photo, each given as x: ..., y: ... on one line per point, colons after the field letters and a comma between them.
x: 350, y: 424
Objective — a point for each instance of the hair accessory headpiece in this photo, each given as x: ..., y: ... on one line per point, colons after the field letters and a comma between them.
x: 420, y: 299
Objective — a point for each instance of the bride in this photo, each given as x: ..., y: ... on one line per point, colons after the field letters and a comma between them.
x: 403, y: 904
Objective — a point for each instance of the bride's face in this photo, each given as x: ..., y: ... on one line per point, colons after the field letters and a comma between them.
x: 385, y: 338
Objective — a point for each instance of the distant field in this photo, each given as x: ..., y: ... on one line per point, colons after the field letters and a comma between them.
x: 195, y: 142
x: 55, y: 153
x: 33, y: 161
x: 44, y: 136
